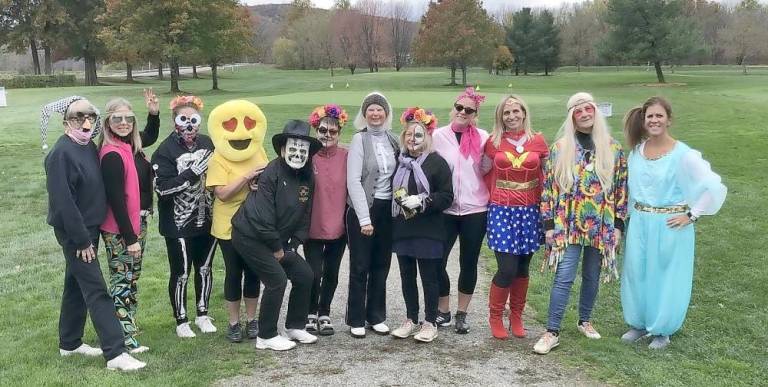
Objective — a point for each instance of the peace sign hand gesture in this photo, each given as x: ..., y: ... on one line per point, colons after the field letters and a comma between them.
x: 150, y: 99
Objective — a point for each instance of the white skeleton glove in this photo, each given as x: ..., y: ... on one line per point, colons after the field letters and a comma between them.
x: 201, y: 165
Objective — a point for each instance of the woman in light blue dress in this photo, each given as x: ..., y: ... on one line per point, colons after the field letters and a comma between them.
x: 670, y: 186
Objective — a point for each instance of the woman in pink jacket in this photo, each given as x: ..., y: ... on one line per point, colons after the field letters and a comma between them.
x: 460, y: 143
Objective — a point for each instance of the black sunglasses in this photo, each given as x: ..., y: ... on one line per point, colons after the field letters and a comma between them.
x: 467, y: 110
x: 323, y: 130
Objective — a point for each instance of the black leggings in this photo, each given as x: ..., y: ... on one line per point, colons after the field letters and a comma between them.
x: 470, y: 230
x: 429, y: 269
x: 510, y: 266
x: 239, y: 279
x: 183, y: 255
x: 324, y: 256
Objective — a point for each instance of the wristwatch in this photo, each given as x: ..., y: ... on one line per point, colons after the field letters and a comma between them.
x: 692, y: 217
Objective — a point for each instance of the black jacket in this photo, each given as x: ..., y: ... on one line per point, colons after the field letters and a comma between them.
x: 76, y: 200
x: 184, y: 205
x: 277, y: 213
x: 429, y: 223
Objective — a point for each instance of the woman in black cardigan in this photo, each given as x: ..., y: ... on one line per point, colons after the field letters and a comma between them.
x: 422, y: 189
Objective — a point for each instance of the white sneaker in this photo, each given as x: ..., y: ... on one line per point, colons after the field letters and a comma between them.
x: 427, y: 333
x: 546, y: 343
x: 633, y: 335
x: 183, y: 330
x: 205, y: 324
x: 357, y: 333
x: 83, y: 349
x: 300, y: 335
x: 659, y: 342
x: 409, y: 328
x: 277, y: 343
x: 381, y: 329
x: 139, y: 349
x: 125, y: 362
x: 588, y: 330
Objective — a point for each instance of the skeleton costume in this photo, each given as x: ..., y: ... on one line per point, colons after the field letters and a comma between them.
x: 184, y: 206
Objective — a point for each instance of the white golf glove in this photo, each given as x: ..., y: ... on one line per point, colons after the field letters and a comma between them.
x: 412, y: 202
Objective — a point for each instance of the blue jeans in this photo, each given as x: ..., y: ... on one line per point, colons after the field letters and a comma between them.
x: 564, y: 277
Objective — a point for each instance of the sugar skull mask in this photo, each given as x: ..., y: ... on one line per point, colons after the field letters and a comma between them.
x: 237, y: 129
x: 296, y: 152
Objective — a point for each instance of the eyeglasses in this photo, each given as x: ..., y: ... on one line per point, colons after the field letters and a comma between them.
x: 589, y: 109
x: 467, y: 110
x: 80, y: 117
x: 117, y: 119
x: 324, y: 130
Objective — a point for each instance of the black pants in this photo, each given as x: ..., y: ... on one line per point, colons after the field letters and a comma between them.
x: 470, y: 230
x: 183, y: 255
x: 509, y: 267
x: 86, y: 293
x: 275, y: 275
x: 369, y: 260
x: 239, y: 280
x: 324, y: 256
x: 429, y: 269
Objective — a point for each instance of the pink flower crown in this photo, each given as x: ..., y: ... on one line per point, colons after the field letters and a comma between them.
x: 417, y: 114
x: 190, y: 100
x: 329, y: 110
x: 470, y: 93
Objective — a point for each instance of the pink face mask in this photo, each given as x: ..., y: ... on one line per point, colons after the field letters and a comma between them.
x: 80, y: 127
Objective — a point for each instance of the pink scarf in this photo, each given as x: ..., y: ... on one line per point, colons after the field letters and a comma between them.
x: 470, y: 141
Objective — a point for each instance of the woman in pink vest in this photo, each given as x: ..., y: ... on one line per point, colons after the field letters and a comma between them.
x: 461, y: 145
x: 123, y: 230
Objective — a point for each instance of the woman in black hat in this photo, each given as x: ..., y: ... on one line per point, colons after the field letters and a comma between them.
x: 269, y: 227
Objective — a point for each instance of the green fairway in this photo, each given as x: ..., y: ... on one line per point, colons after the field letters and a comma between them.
x: 717, y: 110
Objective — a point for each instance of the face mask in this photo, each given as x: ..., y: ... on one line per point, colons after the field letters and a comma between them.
x: 296, y: 152
x: 81, y: 127
x: 188, y: 126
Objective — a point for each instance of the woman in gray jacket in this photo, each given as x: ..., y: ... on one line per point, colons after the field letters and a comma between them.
x: 371, y: 162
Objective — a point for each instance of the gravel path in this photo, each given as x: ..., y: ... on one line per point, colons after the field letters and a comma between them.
x: 452, y: 359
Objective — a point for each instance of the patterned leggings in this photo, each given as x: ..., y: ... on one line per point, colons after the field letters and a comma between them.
x: 124, y: 271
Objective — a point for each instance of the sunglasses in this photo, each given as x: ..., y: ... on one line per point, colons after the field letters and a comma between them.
x: 467, y: 110
x: 81, y: 117
x: 323, y: 131
x: 589, y: 109
x: 117, y: 119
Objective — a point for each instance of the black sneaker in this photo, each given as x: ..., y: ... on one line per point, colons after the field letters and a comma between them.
x: 311, y: 325
x: 325, y: 327
x: 443, y: 319
x: 234, y: 334
x: 462, y: 326
x: 252, y: 329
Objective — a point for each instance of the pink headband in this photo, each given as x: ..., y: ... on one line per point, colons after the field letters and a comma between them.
x: 469, y: 92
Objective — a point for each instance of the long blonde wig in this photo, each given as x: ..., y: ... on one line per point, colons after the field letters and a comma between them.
x: 498, y: 123
x: 107, y: 137
x: 566, y: 143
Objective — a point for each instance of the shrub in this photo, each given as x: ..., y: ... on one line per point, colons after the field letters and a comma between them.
x: 34, y: 81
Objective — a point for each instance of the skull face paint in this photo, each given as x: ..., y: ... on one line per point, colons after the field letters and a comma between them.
x: 296, y: 152
x: 414, y: 138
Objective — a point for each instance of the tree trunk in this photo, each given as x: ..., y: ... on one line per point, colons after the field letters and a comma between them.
x: 659, y: 73
x: 464, y: 74
x: 517, y: 70
x: 128, y: 72
x: 174, y: 66
x: 194, y: 73
x: 578, y: 67
x: 91, y: 79
x: 160, y: 71
x: 47, y: 63
x: 214, y: 76
x: 352, y: 69
x: 453, y: 75
x: 35, y: 57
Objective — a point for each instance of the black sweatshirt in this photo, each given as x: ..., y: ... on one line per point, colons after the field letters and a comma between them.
x: 113, y: 172
x: 76, y: 200
x: 184, y: 205
x: 429, y: 223
x: 278, y: 211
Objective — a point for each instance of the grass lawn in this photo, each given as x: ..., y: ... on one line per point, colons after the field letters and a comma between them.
x: 717, y: 111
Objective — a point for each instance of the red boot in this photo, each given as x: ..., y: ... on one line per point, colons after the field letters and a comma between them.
x: 518, y: 293
x: 497, y: 300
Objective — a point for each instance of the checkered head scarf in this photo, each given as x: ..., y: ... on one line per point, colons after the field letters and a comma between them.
x: 61, y: 107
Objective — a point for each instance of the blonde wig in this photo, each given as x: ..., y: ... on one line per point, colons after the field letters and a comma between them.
x: 107, y: 137
x: 566, y: 143
x: 498, y: 123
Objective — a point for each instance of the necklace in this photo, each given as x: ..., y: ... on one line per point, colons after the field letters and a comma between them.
x: 518, y: 143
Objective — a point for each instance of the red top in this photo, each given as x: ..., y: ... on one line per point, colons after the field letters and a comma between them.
x: 330, y: 197
x: 516, y: 178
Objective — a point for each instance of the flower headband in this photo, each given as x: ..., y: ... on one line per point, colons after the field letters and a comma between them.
x: 329, y: 110
x: 469, y: 92
x: 187, y: 100
x: 423, y: 117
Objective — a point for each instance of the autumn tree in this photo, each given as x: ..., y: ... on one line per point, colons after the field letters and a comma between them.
x: 503, y: 59
x: 81, y: 33
x: 18, y: 30
x: 746, y: 35
x: 368, y: 35
x: 346, y: 26
x: 580, y: 32
x: 401, y: 33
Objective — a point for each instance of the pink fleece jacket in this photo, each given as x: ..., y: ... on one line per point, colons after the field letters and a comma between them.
x: 132, y: 200
x: 470, y: 194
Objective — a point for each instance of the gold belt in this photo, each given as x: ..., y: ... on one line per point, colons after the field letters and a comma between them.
x: 515, y: 186
x: 679, y: 209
